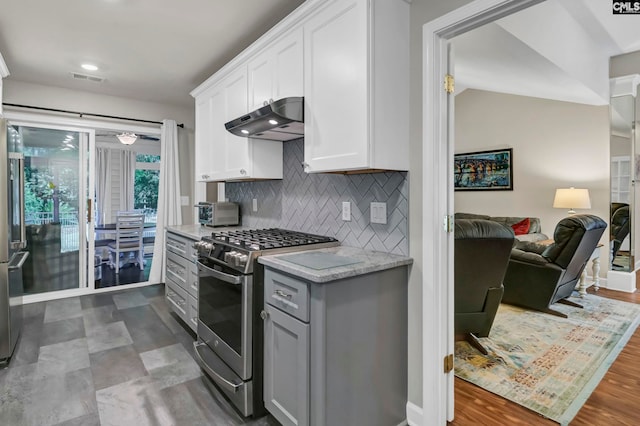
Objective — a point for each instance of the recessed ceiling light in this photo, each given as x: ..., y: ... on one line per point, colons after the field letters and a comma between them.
x: 274, y: 122
x: 246, y: 132
x: 89, y: 67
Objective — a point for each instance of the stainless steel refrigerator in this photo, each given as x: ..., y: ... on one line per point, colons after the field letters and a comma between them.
x: 12, y: 238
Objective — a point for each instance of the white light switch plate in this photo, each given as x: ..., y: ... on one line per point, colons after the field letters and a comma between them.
x: 255, y: 204
x: 346, y: 211
x: 378, y: 213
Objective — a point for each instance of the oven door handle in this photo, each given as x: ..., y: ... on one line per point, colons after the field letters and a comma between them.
x: 224, y: 383
x: 228, y: 278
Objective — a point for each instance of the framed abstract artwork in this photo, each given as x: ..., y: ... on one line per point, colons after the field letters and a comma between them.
x: 484, y: 170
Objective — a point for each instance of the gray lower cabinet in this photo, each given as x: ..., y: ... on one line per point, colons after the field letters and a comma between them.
x: 286, y: 367
x: 335, y: 353
x: 181, y: 278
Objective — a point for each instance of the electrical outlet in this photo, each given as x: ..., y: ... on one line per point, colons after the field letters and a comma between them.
x: 378, y: 213
x: 346, y: 211
x: 255, y: 204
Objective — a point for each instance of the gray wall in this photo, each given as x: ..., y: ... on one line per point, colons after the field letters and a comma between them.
x: 555, y: 145
x: 313, y: 203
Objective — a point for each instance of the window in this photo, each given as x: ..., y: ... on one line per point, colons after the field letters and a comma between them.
x: 145, y: 187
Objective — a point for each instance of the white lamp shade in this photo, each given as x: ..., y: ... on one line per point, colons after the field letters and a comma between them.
x: 572, y: 198
x: 127, y: 138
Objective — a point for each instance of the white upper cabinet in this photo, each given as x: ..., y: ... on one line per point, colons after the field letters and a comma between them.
x: 350, y: 61
x: 204, y: 138
x: 356, y: 86
x: 221, y: 155
x: 277, y: 71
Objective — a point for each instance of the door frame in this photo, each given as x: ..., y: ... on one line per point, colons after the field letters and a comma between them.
x: 437, y: 183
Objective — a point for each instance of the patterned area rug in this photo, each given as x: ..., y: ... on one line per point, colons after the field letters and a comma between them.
x: 547, y: 363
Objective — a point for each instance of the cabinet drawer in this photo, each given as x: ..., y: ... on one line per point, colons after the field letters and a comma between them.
x: 177, y: 298
x: 287, y: 293
x: 181, y: 246
x: 178, y: 270
x: 193, y: 313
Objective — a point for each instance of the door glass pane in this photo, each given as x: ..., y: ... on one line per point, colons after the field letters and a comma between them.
x: 52, y: 176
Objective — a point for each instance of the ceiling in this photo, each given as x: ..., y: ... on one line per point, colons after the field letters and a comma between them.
x: 150, y: 50
x: 160, y: 50
x: 536, y: 52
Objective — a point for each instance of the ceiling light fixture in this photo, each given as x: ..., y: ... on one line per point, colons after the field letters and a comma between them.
x: 127, y: 138
x: 89, y: 67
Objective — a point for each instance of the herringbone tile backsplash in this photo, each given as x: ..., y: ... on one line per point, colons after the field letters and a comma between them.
x: 313, y: 203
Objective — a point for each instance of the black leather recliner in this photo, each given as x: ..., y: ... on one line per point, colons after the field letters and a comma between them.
x: 539, y: 276
x: 619, y: 226
x: 482, y: 250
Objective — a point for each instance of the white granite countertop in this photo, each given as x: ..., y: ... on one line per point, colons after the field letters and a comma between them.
x: 195, y: 232
x: 360, y: 262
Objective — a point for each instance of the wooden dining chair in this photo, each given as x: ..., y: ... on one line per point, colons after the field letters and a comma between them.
x: 129, y: 229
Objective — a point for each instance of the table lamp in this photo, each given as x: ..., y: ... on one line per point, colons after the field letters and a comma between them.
x: 572, y: 198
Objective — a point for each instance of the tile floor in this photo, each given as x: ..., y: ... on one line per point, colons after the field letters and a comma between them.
x: 109, y: 359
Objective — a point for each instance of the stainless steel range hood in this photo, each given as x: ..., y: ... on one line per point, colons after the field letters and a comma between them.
x: 282, y: 120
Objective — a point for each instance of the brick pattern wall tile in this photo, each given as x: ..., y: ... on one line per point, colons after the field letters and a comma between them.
x: 313, y: 203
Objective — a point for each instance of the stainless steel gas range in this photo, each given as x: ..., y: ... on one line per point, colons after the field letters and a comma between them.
x: 229, y: 348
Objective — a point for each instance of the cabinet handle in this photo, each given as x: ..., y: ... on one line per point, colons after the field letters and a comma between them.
x: 205, y: 176
x: 283, y: 294
x: 305, y: 165
x: 243, y: 172
x: 264, y: 315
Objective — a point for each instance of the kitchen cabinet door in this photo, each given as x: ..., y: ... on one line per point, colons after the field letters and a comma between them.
x: 204, y: 139
x: 336, y: 88
x: 356, y: 72
x: 286, y: 367
x: 277, y: 73
x: 235, y: 149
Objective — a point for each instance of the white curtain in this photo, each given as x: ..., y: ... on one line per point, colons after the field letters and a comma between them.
x: 103, y: 186
x: 169, y: 209
x: 128, y: 173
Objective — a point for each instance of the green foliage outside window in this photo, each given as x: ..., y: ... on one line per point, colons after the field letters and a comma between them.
x: 40, y: 190
x: 146, y: 184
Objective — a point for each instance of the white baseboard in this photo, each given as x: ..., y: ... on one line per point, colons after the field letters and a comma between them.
x: 414, y: 415
x: 621, y: 281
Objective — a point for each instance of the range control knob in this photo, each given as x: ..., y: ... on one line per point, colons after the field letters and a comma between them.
x: 230, y: 257
x: 241, y: 260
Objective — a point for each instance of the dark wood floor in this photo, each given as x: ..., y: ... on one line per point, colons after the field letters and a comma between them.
x: 616, y: 400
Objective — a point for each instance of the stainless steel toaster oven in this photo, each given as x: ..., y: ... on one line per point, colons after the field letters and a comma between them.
x: 218, y: 214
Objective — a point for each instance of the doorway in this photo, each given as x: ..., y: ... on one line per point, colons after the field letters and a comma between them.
x: 61, y: 217
x: 437, y: 298
x: 438, y: 147
x: 127, y: 181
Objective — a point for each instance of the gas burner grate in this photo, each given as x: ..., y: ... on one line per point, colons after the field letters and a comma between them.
x: 269, y: 238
